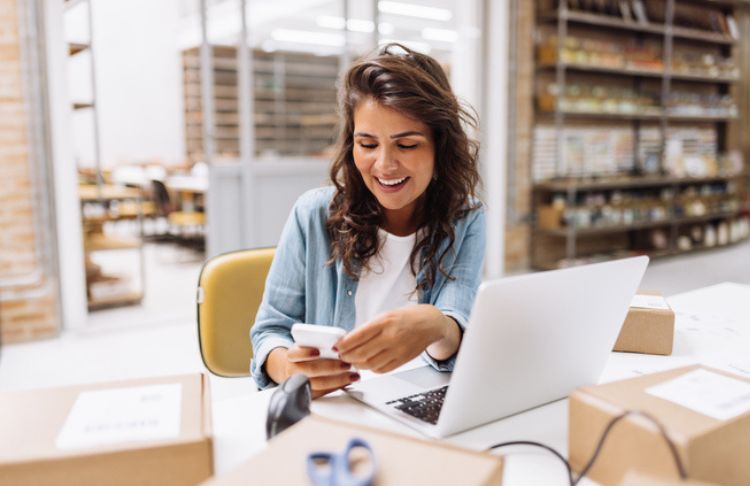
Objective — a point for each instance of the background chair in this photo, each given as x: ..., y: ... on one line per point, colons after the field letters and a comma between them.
x: 230, y: 289
x: 180, y: 223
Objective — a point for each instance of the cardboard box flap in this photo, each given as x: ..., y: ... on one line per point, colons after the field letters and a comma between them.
x: 674, y: 417
x: 32, y: 420
x: 400, y: 460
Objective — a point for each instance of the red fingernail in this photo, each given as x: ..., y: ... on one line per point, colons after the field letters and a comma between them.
x: 315, y: 352
x: 354, y: 377
x: 335, y: 349
x: 345, y: 366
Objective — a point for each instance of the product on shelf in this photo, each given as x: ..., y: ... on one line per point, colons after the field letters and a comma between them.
x: 704, y: 64
x: 659, y: 239
x: 684, y: 243
x: 693, y: 104
x: 586, y: 151
x: 629, y: 55
x: 597, y: 53
x: 579, y: 98
x: 697, y: 17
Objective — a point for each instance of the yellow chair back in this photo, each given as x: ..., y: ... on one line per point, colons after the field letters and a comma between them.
x: 230, y: 290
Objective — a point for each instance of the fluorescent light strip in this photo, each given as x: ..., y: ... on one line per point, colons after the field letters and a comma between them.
x: 441, y: 35
x: 307, y: 37
x: 355, y: 25
x: 422, y: 47
x: 412, y: 10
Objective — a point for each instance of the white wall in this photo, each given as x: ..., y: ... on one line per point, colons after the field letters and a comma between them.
x: 139, y: 81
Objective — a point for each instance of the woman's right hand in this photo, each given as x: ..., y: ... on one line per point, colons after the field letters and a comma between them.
x: 325, y: 375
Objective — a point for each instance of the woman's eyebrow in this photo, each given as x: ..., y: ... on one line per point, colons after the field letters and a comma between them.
x: 397, y: 135
x: 408, y: 134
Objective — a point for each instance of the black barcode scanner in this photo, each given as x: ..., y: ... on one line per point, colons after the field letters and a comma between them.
x: 289, y: 404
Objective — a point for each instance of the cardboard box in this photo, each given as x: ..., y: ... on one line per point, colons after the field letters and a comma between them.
x: 648, y: 327
x: 153, y: 431
x: 635, y: 478
x: 400, y: 460
x: 712, y: 447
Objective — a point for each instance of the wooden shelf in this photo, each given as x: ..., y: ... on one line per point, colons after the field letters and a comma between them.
x: 606, y: 21
x: 76, y: 47
x: 604, y: 115
x: 586, y: 18
x: 90, y: 192
x: 80, y: 105
x: 705, y: 217
x: 628, y: 182
x: 653, y: 254
x: 124, y: 299
x: 601, y: 230
x: 645, y: 73
x: 101, y: 242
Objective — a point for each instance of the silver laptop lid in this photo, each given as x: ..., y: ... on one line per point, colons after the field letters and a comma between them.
x: 533, y: 339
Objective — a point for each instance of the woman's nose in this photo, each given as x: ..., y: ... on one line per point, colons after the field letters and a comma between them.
x: 385, y: 159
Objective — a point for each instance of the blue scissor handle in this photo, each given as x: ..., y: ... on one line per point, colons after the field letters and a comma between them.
x: 339, y: 472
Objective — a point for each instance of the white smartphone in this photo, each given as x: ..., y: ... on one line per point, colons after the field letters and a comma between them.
x: 317, y: 336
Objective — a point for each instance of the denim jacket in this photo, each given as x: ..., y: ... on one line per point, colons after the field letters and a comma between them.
x: 301, y: 287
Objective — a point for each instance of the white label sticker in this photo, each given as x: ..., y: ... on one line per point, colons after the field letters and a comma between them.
x: 121, y: 415
x: 705, y: 392
x: 649, y: 302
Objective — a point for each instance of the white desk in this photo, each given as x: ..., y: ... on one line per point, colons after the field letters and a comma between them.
x: 712, y: 327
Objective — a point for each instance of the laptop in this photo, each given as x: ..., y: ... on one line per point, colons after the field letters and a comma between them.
x: 531, y: 340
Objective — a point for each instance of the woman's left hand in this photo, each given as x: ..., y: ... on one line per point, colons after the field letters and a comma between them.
x: 398, y: 336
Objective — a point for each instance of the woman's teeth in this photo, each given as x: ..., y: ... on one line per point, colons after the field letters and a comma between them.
x: 391, y: 182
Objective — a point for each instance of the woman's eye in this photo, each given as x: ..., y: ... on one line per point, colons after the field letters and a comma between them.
x: 402, y: 146
x: 368, y: 145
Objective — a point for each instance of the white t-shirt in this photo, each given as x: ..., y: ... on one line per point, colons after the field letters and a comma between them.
x: 390, y: 283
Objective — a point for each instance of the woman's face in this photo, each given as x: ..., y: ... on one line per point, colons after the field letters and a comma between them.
x: 396, y: 156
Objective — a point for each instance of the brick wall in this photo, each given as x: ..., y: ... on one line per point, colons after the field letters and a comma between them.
x: 29, y: 310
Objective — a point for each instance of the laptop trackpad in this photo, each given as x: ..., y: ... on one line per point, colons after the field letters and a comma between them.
x: 401, y: 384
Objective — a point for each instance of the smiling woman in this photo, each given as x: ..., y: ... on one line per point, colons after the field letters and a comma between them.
x: 393, y: 251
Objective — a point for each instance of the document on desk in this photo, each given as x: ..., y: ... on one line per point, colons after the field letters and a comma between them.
x: 115, y: 416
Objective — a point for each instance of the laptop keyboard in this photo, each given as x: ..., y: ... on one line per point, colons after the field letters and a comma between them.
x: 425, y: 406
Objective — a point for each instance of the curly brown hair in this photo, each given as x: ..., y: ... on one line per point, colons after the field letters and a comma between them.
x: 415, y: 85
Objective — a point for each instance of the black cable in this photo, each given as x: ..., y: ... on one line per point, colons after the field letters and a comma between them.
x: 613, y: 422
x: 537, y: 444
x: 597, y: 450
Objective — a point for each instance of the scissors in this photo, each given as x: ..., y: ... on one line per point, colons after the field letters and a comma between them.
x: 332, y: 469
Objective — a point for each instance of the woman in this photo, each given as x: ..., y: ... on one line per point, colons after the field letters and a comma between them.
x: 393, y: 251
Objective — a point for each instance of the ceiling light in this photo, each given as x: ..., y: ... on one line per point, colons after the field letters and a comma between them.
x: 307, y: 37
x: 441, y: 35
x: 422, y: 47
x: 355, y: 25
x: 412, y: 10
x: 330, y: 22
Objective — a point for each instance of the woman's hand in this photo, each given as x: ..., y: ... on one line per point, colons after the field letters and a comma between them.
x: 326, y: 375
x: 398, y: 336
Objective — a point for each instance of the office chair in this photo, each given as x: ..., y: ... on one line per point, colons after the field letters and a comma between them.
x: 230, y: 289
x: 183, y: 222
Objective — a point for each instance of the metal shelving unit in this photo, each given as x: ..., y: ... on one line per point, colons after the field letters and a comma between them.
x: 294, y: 101
x: 562, y: 20
x: 96, y: 239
